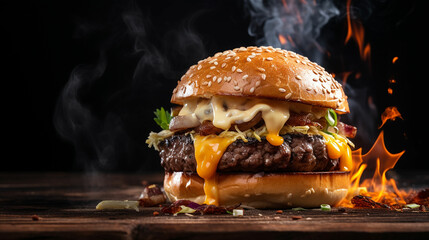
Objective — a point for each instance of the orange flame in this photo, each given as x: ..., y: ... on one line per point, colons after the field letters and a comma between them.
x: 390, y: 113
x: 379, y: 188
x: 282, y: 39
x: 356, y: 31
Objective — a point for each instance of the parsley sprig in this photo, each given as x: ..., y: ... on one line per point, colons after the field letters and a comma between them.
x: 163, y: 118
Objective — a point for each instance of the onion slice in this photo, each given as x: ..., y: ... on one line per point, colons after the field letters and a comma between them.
x: 183, y: 122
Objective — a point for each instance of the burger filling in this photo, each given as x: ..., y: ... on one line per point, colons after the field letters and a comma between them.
x: 236, y: 134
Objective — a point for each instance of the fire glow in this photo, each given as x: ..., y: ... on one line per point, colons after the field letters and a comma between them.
x: 378, y: 188
x: 378, y: 160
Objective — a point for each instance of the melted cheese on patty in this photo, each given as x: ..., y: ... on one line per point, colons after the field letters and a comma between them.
x: 226, y: 111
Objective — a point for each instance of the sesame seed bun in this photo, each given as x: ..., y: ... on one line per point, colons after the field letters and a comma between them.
x: 270, y: 190
x: 262, y: 72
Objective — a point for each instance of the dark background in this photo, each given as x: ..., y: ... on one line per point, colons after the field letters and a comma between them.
x: 82, y: 78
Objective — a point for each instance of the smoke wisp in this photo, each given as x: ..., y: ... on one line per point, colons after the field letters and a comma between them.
x: 104, y: 109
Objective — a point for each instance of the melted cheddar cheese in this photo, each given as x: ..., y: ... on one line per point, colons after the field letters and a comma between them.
x: 225, y: 111
x: 208, y: 151
x: 338, y: 147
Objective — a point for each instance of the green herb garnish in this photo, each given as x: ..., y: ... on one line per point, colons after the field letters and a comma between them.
x: 331, y: 117
x: 163, y: 118
x: 325, y: 207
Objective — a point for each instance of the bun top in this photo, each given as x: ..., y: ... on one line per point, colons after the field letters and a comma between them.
x: 262, y: 72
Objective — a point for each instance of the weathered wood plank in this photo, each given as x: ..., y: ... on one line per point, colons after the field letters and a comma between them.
x: 66, y: 204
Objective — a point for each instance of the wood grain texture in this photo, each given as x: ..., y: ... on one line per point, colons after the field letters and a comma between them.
x: 65, y: 204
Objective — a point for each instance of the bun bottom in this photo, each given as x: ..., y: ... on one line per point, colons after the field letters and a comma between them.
x: 263, y: 190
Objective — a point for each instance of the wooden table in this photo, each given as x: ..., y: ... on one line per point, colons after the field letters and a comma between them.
x: 65, y: 204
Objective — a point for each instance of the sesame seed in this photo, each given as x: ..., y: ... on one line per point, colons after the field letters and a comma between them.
x: 248, y: 59
x: 233, y: 68
x: 209, y: 83
x: 261, y: 69
x: 245, y: 77
x: 282, y: 90
x: 263, y: 76
x: 214, y: 78
x: 298, y: 77
x: 208, y: 76
x: 236, y: 58
x: 242, y: 49
x: 218, y: 54
x: 252, y: 89
x: 212, y: 67
x: 219, y: 80
x: 213, y: 60
x: 288, y: 95
x: 252, y: 56
x: 236, y: 88
x: 205, y: 83
x: 239, y: 70
x: 223, y: 65
x: 297, y: 61
x: 216, y: 63
x: 257, y: 83
x: 308, y: 89
x: 315, y: 79
x: 269, y: 59
x: 199, y: 67
x: 190, y: 76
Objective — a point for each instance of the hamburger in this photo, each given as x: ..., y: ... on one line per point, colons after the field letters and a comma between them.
x: 258, y: 126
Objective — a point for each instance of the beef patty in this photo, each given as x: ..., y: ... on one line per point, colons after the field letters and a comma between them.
x: 298, y: 153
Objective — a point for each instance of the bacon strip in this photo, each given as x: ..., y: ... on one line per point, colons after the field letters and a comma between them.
x: 346, y: 130
x: 297, y: 119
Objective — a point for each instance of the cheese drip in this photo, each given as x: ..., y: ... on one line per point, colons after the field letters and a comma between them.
x: 337, y: 147
x: 208, y: 151
x: 274, y: 113
x: 224, y: 112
